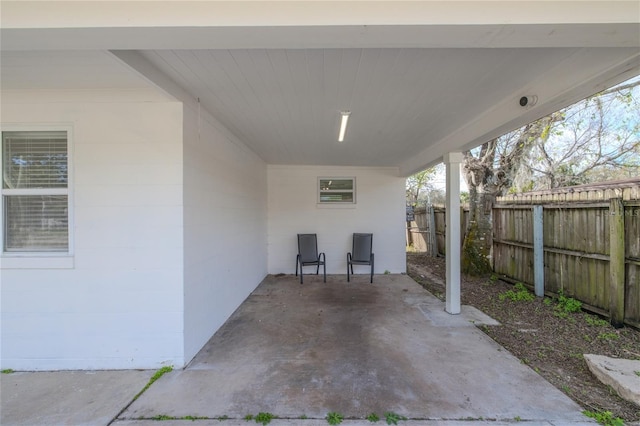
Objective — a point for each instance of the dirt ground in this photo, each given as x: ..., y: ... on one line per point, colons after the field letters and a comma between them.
x: 545, y: 337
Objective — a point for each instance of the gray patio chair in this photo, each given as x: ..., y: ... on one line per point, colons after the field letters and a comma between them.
x: 308, y: 255
x: 361, y: 253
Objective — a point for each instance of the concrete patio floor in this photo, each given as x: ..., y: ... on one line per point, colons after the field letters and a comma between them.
x: 354, y: 348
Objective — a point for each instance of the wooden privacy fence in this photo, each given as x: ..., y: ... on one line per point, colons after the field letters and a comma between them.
x: 589, y: 247
x: 426, y: 232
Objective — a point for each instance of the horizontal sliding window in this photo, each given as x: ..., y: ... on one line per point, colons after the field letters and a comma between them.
x: 337, y: 190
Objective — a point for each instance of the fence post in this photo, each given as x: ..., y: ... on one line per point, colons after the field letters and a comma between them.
x: 538, y: 251
x: 433, y: 241
x: 616, y: 264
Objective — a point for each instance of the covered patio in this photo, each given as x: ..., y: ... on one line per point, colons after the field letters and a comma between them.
x: 354, y: 348
x: 196, y: 135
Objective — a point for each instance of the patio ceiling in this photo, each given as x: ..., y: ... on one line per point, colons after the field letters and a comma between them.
x: 415, y: 91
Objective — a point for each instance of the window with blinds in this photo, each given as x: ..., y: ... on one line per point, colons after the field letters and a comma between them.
x: 337, y: 190
x: 35, y: 191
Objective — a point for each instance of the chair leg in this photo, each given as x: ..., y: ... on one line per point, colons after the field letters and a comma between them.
x: 297, y: 261
x: 372, y: 268
x: 348, y: 262
x: 324, y: 268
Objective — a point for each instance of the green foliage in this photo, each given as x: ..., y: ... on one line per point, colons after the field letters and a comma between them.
x: 595, y: 321
x: 164, y: 417
x: 568, y: 304
x: 519, y: 293
x: 393, y: 418
x: 609, y: 336
x: 637, y: 373
x: 161, y: 417
x: 248, y: 417
x: 7, y: 371
x: 264, y: 418
x: 373, y: 418
x: 418, y: 185
x: 334, y: 418
x: 303, y: 417
x: 152, y: 380
x: 604, y: 418
x: 223, y: 417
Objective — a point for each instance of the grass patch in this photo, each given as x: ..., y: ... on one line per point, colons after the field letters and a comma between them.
x: 153, y: 379
x: 7, y: 371
x: 373, y: 418
x: 393, y: 418
x: 161, y: 417
x: 164, y: 417
x: 604, y: 418
x: 519, y: 293
x: 264, y: 418
x: 334, y: 418
x: 595, y: 321
x: 609, y: 336
x: 565, y: 306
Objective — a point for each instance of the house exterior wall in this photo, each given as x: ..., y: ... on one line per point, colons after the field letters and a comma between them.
x: 379, y: 209
x: 225, y: 226
x: 117, y: 301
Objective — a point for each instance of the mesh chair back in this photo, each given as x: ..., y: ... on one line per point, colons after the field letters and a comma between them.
x: 362, y: 247
x: 308, y: 247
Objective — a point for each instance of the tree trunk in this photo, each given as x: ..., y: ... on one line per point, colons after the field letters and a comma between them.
x: 478, y: 242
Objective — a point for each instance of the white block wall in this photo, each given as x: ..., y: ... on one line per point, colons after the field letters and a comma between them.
x: 118, y: 302
x: 293, y: 209
x: 225, y: 225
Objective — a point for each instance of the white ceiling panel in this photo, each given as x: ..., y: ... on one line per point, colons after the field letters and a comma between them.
x: 285, y: 103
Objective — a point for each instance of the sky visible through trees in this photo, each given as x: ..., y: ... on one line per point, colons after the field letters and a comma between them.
x: 594, y: 140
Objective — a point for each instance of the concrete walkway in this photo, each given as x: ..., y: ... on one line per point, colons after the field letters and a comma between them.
x: 301, y: 351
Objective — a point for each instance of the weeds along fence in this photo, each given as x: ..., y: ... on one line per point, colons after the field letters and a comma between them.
x: 590, y: 246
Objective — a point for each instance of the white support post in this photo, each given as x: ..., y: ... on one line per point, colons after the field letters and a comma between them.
x: 453, y: 161
x: 538, y: 251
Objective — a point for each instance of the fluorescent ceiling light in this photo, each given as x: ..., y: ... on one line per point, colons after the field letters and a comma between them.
x: 343, y: 124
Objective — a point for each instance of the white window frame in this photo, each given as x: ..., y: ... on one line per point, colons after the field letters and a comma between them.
x: 336, y: 203
x: 37, y: 259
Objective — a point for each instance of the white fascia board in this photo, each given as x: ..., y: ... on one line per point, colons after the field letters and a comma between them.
x: 123, y: 14
x: 32, y: 25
